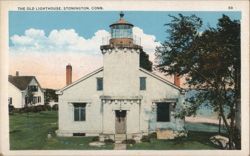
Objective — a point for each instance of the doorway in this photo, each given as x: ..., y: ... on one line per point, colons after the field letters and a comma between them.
x: 120, y: 121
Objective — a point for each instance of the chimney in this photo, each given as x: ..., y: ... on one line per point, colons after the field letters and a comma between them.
x: 68, y: 74
x: 177, y: 81
x: 17, y: 73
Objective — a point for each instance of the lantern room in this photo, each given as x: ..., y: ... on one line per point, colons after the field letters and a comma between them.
x: 121, y: 32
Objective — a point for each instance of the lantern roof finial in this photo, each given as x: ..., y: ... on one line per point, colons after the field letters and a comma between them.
x: 121, y: 14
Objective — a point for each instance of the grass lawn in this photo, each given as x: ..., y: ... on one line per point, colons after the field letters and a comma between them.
x: 204, y: 127
x: 30, y: 133
x: 194, y: 141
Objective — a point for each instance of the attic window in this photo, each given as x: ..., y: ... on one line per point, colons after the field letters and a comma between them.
x: 33, y: 88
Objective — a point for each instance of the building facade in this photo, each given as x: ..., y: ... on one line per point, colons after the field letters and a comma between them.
x: 121, y: 97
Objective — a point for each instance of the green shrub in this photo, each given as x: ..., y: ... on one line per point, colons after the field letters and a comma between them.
x: 55, y: 107
x: 145, y: 138
x: 129, y: 141
x: 47, y: 107
x: 11, y: 109
x: 95, y: 138
x: 153, y: 135
x: 17, y: 110
x: 109, y: 141
x: 39, y: 108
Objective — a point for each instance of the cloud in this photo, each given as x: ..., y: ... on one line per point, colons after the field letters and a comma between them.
x: 67, y: 40
x: 148, y: 42
x: 45, y: 56
x: 70, y: 40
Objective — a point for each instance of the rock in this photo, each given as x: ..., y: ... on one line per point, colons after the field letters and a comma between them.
x: 49, y: 135
x: 220, y: 141
x: 96, y: 144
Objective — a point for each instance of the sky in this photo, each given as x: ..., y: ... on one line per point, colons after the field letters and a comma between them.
x: 43, y: 43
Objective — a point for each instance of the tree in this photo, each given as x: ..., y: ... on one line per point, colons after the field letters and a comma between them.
x: 49, y: 95
x: 145, y: 63
x: 29, y: 98
x: 210, y: 61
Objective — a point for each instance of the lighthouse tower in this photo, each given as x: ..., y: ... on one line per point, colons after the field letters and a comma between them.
x: 121, y: 61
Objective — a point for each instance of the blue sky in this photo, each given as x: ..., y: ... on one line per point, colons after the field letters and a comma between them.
x: 87, y: 23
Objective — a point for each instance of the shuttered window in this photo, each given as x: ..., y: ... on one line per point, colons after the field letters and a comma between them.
x: 163, y: 112
x: 79, y: 111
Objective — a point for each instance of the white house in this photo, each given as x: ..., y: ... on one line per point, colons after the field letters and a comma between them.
x: 120, y: 97
x: 18, y: 89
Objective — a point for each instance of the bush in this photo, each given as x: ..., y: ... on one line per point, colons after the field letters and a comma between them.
x: 129, y: 141
x: 95, y: 138
x: 145, y: 138
x: 18, y: 110
x: 47, y: 107
x: 39, y: 108
x: 109, y: 141
x: 11, y: 109
x: 55, y: 107
x: 153, y: 135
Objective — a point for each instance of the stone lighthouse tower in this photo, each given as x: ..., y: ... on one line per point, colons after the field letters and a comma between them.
x: 121, y: 61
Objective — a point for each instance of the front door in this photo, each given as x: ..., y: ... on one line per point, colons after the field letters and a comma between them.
x: 120, y: 121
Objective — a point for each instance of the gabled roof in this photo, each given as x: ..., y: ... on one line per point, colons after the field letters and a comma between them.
x: 22, y: 82
x: 160, y: 78
x: 79, y: 80
x: 101, y: 69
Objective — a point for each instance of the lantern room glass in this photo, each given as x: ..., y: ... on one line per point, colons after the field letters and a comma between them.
x: 121, y: 31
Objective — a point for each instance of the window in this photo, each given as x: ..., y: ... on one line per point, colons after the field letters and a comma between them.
x: 142, y: 83
x: 39, y: 99
x: 26, y: 100
x: 33, y: 88
x: 99, y: 83
x: 10, y: 100
x: 163, y: 112
x: 121, y: 31
x: 79, y: 111
x: 35, y: 99
x: 78, y: 134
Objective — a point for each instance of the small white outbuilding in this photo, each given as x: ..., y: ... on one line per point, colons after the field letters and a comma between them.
x: 120, y: 97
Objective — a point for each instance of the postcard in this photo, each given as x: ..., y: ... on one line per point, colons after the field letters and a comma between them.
x: 124, y: 77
